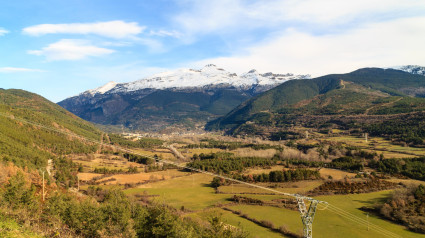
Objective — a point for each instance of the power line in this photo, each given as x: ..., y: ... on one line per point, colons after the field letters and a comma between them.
x: 361, y: 221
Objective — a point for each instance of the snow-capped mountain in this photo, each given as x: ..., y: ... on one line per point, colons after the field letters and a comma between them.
x: 413, y: 69
x: 210, y: 75
x: 184, y: 97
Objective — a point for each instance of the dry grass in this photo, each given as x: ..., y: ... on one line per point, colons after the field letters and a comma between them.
x: 380, y: 145
x: 291, y: 153
x: 103, y: 161
x: 143, y: 177
x: 336, y: 174
x: 394, y: 155
x: 131, y: 178
x: 87, y: 176
x: 249, y: 152
x: 190, y: 152
x: 407, y: 181
x: 164, y: 153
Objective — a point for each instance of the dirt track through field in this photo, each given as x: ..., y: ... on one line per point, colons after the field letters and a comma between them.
x: 99, y: 150
x: 176, y: 152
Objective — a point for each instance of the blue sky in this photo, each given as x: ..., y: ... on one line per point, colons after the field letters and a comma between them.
x: 61, y: 48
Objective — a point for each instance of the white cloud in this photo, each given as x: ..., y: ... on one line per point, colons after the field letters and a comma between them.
x: 165, y: 33
x: 17, y: 70
x: 333, y: 11
x: 68, y: 49
x: 152, y: 45
x: 116, y: 44
x: 238, y: 15
x: 397, y: 42
x: 3, y: 31
x: 112, y: 29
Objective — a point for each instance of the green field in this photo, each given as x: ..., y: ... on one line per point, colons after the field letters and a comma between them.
x: 328, y: 223
x: 192, y: 192
x: 196, y: 196
x: 234, y: 220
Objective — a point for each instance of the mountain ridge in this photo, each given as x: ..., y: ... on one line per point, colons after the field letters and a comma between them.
x: 208, y: 76
x: 369, y: 95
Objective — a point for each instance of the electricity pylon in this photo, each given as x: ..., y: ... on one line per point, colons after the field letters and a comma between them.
x: 307, y: 215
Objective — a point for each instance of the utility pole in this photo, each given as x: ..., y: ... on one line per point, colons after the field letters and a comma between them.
x: 367, y: 218
x: 43, y: 187
x: 43, y: 192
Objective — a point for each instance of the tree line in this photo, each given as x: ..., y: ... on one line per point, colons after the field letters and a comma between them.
x: 226, y: 145
x: 410, y: 167
x: 220, y: 165
x: 277, y: 176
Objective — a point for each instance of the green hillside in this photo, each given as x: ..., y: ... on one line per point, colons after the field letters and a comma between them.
x: 365, y: 100
x: 394, y: 82
x: 279, y: 97
x: 31, y: 145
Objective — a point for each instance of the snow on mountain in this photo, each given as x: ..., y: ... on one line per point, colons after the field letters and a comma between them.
x: 210, y: 75
x: 413, y: 69
x: 105, y: 88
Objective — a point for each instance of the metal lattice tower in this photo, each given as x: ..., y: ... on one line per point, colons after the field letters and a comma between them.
x: 307, y: 216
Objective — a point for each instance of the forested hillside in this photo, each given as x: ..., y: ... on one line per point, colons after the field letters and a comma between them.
x: 31, y: 145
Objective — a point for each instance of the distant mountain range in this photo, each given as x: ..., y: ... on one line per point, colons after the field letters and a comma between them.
x: 188, y: 98
x: 209, y: 76
x: 185, y: 98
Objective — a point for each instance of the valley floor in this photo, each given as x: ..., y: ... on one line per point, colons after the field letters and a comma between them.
x: 192, y: 194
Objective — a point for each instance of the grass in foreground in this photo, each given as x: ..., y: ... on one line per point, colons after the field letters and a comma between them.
x: 237, y: 221
x: 11, y: 229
